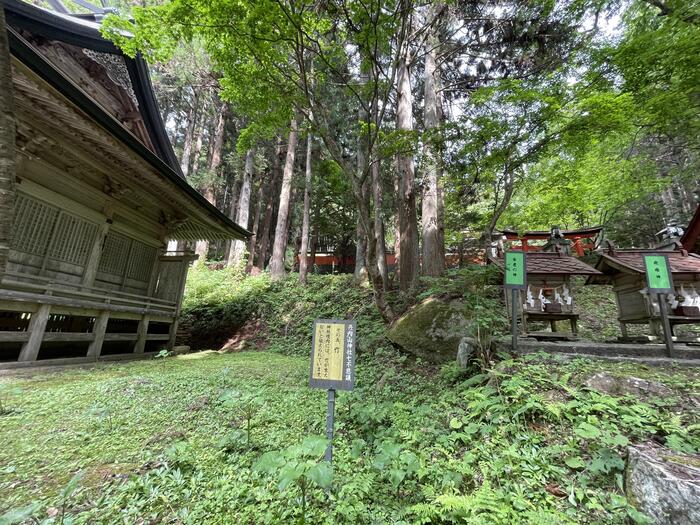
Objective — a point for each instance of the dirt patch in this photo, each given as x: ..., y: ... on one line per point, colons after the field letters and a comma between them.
x: 250, y: 336
x: 167, y: 436
x: 199, y: 403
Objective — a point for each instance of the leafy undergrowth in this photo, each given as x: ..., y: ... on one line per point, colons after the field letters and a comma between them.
x: 237, y: 438
x: 218, y: 303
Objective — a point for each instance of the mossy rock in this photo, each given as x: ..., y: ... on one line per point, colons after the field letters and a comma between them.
x: 431, y: 330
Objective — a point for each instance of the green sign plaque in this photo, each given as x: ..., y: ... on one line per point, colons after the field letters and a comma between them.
x: 514, y: 270
x: 658, y: 273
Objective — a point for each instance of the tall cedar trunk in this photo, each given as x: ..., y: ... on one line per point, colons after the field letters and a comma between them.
x: 408, y: 223
x: 360, y: 237
x: 233, y: 189
x: 237, y: 251
x: 7, y: 147
x: 377, y: 196
x: 253, y: 241
x: 197, y: 153
x: 185, y: 160
x: 314, y: 239
x: 303, y: 250
x: 433, y: 243
x: 270, y: 207
x: 280, y: 245
x: 202, y: 246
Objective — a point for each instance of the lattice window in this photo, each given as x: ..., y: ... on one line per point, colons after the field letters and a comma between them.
x: 72, y: 239
x: 114, y: 254
x: 33, y: 223
x: 141, y: 262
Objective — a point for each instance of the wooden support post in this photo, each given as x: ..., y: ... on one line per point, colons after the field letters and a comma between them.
x: 180, y: 293
x: 140, y: 345
x: 36, y: 329
x: 668, y: 334
x: 96, y: 251
x: 98, y: 330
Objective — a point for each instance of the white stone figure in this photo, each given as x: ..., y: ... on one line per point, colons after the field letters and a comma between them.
x: 567, y: 296
x: 543, y: 300
x: 530, y: 299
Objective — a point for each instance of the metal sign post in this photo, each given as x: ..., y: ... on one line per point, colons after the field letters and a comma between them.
x: 659, y: 282
x: 514, y: 279
x: 332, y: 364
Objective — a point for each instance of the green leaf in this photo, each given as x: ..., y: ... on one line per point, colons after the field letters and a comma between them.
x: 396, y: 477
x: 321, y: 474
x: 13, y: 516
x: 314, y: 446
x: 574, y: 462
x: 72, y: 485
x: 619, y: 440
x: 587, y: 431
x: 357, y: 447
x: 269, y: 462
x: 455, y: 423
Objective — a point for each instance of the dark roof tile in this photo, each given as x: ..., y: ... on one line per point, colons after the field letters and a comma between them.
x: 553, y: 263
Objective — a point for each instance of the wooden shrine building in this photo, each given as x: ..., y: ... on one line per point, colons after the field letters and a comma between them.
x: 97, y: 195
x: 548, y: 297
x: 624, y: 269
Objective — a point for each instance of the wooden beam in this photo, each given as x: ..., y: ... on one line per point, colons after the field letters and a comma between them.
x: 36, y: 329
x: 98, y: 331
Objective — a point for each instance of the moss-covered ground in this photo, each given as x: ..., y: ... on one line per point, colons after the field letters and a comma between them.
x: 156, y: 441
x: 167, y: 441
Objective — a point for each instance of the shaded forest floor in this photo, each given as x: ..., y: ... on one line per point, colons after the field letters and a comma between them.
x: 168, y: 441
x: 159, y: 441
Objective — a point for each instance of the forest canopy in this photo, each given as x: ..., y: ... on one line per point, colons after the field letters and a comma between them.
x: 420, y: 128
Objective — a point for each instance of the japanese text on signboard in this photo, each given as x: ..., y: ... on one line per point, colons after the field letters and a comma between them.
x: 333, y: 354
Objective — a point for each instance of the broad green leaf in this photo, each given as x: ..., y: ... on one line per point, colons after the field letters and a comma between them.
x: 574, y: 462
x: 321, y: 474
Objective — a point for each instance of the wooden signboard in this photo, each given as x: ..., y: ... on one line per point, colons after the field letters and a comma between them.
x: 333, y: 354
x: 514, y: 270
x: 514, y: 279
x: 658, y: 274
x: 659, y: 282
x: 332, y: 364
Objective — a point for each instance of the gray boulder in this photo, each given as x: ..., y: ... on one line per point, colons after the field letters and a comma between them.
x: 664, y: 485
x: 431, y: 330
x: 620, y: 386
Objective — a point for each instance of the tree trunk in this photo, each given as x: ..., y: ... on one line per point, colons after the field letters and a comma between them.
x: 408, y: 223
x: 303, y: 263
x: 252, y: 242
x: 7, y: 146
x: 433, y: 244
x: 378, y: 197
x: 233, y: 189
x: 237, y: 250
x: 277, y: 262
x: 360, y: 273
x: 189, y: 134
x: 197, y: 153
x: 270, y: 207
x: 202, y: 246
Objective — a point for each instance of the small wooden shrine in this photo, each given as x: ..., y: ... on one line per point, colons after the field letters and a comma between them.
x: 624, y: 269
x: 98, y: 193
x: 548, y: 296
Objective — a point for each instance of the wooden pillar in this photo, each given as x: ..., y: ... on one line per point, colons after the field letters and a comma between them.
x: 141, y: 333
x: 7, y: 146
x: 36, y: 329
x: 96, y: 250
x: 181, y: 290
x: 98, y: 330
